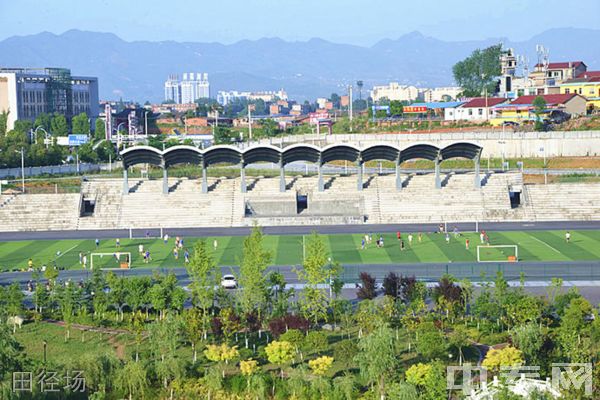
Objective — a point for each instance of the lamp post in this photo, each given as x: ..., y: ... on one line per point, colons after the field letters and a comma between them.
x: 146, y: 123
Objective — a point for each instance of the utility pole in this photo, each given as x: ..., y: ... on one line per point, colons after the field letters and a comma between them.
x: 23, y: 170
x: 146, y: 123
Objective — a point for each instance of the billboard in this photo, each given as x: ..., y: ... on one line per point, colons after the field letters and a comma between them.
x: 77, y: 140
x: 315, y: 117
x: 415, y: 109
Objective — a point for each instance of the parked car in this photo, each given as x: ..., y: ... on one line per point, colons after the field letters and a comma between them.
x: 228, y: 281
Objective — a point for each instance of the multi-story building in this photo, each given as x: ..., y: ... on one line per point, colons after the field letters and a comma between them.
x: 522, y: 110
x: 554, y: 73
x: 441, y: 94
x: 27, y: 92
x: 192, y: 87
x: 226, y: 97
x: 395, y: 91
x: 587, y: 85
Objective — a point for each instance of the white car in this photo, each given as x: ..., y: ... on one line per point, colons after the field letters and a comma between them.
x: 228, y: 281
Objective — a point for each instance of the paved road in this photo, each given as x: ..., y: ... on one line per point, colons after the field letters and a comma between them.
x: 534, y: 272
x: 298, y: 230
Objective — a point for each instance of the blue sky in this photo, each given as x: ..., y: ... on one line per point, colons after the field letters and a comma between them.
x: 361, y: 22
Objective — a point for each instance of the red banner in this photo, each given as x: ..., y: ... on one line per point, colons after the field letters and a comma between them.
x: 415, y: 109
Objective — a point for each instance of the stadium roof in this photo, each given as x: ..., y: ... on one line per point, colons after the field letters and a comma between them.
x: 225, y: 154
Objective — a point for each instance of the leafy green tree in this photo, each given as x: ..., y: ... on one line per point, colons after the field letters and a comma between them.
x: 44, y: 120
x: 166, y: 294
x: 164, y: 339
x: 530, y: 339
x: 86, y: 153
x: 223, y: 135
x: 80, y: 124
x: 59, y: 125
x: 270, y: 127
x: 539, y: 105
x: 376, y: 358
x: 478, y: 72
x: 3, y: 122
x: 117, y: 294
x: 252, y: 278
x: 69, y: 298
x: 106, y: 151
x: 506, y: 357
x: 100, y: 129
x: 204, y: 276
x: 193, y: 326
x: 137, y: 289
x: 431, y: 342
x: 396, y: 107
x: 574, y: 333
x: 10, y: 360
x: 14, y: 300
x: 132, y: 380
x: 459, y: 338
x: 314, y: 273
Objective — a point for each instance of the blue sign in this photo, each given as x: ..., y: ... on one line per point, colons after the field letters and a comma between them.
x: 77, y: 140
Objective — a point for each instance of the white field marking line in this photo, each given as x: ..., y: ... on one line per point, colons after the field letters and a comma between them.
x: 62, y: 254
x: 541, y: 241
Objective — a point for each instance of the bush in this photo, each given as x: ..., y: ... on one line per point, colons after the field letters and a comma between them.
x: 294, y: 336
x: 282, y: 324
x: 345, y: 351
x: 391, y: 285
x: 367, y: 289
x: 315, y: 342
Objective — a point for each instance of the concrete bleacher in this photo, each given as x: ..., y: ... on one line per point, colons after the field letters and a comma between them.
x: 564, y: 201
x: 39, y: 212
x: 145, y: 206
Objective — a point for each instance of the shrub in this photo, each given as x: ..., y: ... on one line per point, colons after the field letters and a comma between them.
x: 315, y: 342
x: 282, y: 324
x: 391, y: 285
x: 294, y: 336
x: 367, y: 289
x: 345, y: 351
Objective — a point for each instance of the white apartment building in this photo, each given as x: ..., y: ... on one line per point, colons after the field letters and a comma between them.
x: 395, y: 91
x: 27, y: 92
x: 192, y: 87
x: 226, y: 97
x: 441, y: 94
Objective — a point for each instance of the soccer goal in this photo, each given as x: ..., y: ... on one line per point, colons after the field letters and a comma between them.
x: 116, y: 260
x: 498, y: 253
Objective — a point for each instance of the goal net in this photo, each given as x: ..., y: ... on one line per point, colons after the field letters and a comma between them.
x: 116, y: 260
x: 498, y: 253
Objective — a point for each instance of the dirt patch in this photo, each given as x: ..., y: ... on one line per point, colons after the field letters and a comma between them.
x: 574, y: 162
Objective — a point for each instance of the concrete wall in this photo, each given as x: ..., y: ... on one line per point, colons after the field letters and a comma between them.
x: 273, y: 208
x: 512, y: 144
x: 333, y: 207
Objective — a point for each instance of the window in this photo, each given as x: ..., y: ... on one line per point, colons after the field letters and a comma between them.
x: 567, y: 91
x: 470, y: 112
x: 481, y: 111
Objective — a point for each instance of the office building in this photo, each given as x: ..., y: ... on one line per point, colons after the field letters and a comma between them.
x: 27, y: 92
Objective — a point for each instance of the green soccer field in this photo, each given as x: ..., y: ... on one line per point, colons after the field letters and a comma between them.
x: 288, y: 249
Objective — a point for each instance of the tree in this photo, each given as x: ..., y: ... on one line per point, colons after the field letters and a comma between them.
x: 166, y: 294
x: 59, y: 126
x: 80, y: 124
x: 430, y: 341
x: 132, y: 380
x: 193, y: 326
x: 314, y: 273
x: 164, y: 338
x: 459, y: 338
x: 530, y: 339
x: 3, y: 122
x: 100, y: 129
x: 270, y: 127
x: 376, y: 357
x: 68, y: 299
x: 391, y: 285
x: 44, y: 120
x: 539, y: 105
x: 280, y: 353
x: 252, y: 279
x: 478, y: 72
x: 117, y: 294
x: 506, y: 357
x: 221, y: 354
x: 396, y: 108
x: 203, y: 273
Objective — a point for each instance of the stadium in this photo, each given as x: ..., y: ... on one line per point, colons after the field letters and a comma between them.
x: 334, y: 188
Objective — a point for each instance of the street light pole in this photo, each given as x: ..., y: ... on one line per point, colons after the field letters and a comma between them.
x: 146, y: 123
x: 22, y: 170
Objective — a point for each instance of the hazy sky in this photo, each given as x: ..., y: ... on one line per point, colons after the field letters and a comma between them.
x: 352, y: 21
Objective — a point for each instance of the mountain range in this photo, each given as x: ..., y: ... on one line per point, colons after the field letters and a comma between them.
x: 305, y: 69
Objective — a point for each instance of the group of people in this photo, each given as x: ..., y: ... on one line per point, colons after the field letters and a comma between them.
x: 178, y: 248
x: 368, y: 239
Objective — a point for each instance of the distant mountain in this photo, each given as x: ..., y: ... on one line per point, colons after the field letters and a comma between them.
x: 137, y: 70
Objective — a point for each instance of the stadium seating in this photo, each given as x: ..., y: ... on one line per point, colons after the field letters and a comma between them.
x: 225, y: 205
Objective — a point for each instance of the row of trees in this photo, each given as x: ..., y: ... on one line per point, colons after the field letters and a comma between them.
x: 266, y: 341
x: 31, y: 138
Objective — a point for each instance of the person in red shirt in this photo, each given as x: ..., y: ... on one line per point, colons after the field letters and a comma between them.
x: 398, y: 235
x: 467, y: 244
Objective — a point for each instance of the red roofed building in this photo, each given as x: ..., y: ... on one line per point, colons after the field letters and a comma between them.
x: 522, y: 110
x: 478, y: 109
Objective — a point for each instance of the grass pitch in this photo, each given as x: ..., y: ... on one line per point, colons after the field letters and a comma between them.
x: 288, y: 249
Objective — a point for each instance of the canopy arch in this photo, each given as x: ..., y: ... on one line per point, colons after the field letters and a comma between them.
x: 182, y: 155
x: 221, y: 154
x: 263, y: 153
x: 424, y: 151
x: 141, y: 155
x: 336, y: 152
x: 380, y: 152
x: 300, y: 152
x: 461, y: 150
